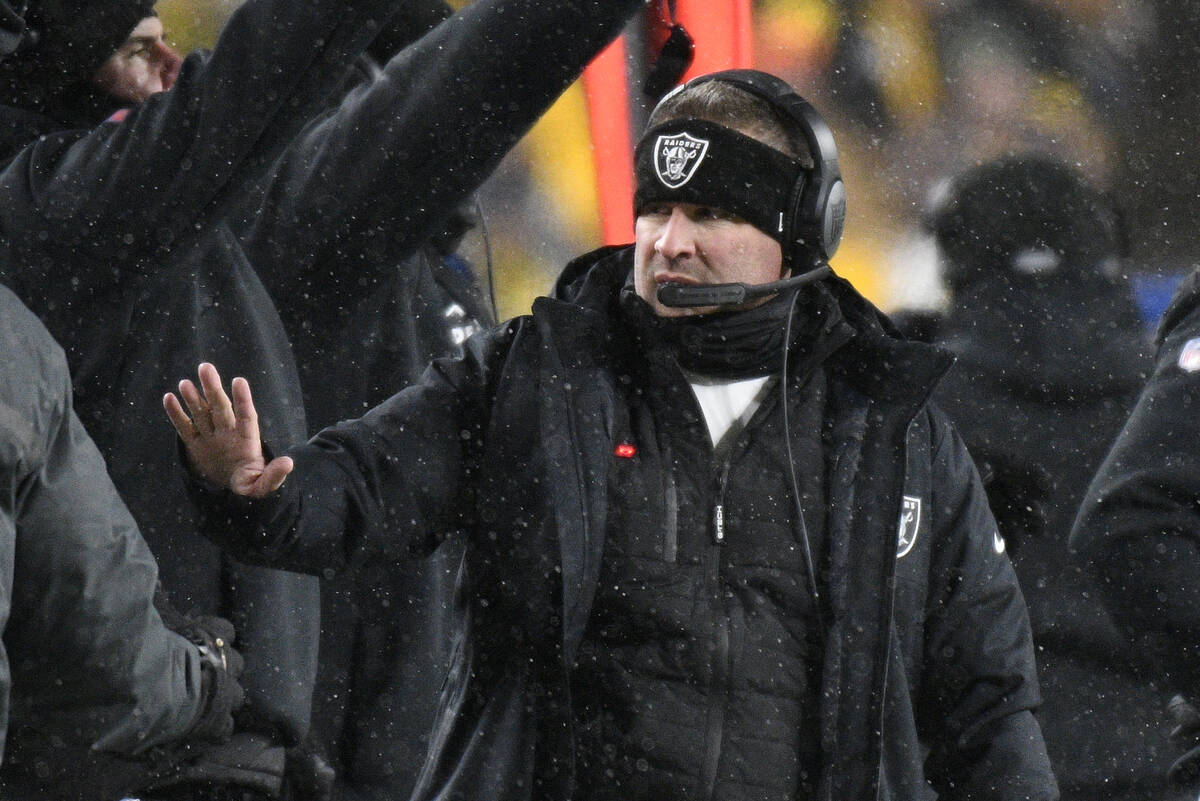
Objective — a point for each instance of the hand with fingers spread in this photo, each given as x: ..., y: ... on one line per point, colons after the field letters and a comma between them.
x: 221, y: 437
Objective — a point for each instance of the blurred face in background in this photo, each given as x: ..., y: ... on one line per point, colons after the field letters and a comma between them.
x: 143, y: 66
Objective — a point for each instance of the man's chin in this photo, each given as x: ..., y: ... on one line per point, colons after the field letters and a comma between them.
x: 682, y: 311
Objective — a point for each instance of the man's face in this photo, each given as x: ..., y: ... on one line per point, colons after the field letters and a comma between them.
x: 143, y: 66
x: 689, y: 244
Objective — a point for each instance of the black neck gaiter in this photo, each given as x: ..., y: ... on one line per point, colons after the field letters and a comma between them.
x: 731, y: 345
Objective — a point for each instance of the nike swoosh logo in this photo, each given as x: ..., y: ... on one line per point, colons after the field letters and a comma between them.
x: 997, y: 542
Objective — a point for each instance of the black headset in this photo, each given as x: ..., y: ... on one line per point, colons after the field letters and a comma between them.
x: 817, y: 206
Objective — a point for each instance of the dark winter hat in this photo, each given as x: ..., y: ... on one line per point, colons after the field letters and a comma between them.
x: 66, y: 42
x: 1023, y: 215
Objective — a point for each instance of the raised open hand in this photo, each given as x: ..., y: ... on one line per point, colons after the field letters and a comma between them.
x: 222, y: 438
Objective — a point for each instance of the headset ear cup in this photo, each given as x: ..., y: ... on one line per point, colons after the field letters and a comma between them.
x: 817, y: 216
x: 833, y: 218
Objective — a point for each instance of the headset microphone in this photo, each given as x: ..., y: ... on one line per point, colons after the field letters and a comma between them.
x: 682, y: 296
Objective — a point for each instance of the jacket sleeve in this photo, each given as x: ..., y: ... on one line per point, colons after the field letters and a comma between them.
x: 979, y: 679
x: 89, y: 654
x: 123, y: 192
x: 1139, y: 525
x: 399, y: 154
x: 384, y: 486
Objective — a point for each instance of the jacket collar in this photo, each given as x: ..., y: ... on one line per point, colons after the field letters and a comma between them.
x: 582, y: 311
x: 878, y: 362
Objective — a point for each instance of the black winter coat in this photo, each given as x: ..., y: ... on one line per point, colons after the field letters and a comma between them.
x: 928, y: 643
x: 1047, y: 371
x: 85, y: 656
x: 1139, y: 523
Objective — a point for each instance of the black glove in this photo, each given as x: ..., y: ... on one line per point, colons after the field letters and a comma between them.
x: 1185, y: 733
x: 220, y: 664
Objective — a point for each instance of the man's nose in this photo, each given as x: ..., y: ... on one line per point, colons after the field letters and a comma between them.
x: 169, y: 61
x: 677, y: 237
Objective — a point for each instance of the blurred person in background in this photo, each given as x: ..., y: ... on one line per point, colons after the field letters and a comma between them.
x: 925, y: 89
x: 1051, y: 354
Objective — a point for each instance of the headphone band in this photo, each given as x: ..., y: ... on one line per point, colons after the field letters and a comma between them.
x: 819, y: 202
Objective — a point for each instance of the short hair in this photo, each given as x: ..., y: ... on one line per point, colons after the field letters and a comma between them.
x: 729, y: 105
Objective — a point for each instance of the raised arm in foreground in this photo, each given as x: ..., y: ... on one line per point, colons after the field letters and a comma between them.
x: 397, y: 156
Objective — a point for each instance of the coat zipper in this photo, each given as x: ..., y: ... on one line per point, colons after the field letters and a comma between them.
x: 722, y: 669
x: 671, y: 516
x: 719, y: 506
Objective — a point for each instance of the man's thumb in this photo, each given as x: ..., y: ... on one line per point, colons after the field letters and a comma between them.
x: 273, y: 476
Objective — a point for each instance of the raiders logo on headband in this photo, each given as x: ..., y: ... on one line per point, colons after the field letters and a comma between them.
x: 676, y: 157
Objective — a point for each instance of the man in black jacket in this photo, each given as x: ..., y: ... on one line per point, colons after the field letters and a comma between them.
x: 1051, y: 353
x: 86, y: 662
x: 1139, y: 525
x: 146, y: 236
x: 718, y: 544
